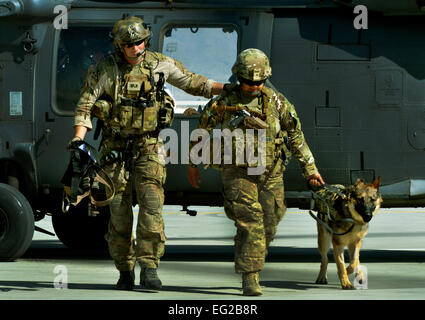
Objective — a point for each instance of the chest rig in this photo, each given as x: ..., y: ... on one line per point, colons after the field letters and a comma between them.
x: 142, y: 105
x: 276, y: 138
x: 277, y: 143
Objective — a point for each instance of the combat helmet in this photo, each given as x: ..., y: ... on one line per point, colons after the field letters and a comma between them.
x: 252, y: 64
x: 130, y: 30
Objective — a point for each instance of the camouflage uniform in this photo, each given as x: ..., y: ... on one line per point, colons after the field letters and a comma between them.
x: 108, y: 85
x: 256, y: 202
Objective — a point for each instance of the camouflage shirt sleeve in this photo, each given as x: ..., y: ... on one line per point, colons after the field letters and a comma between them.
x: 190, y: 82
x: 290, y: 122
x: 208, y: 120
x: 93, y: 88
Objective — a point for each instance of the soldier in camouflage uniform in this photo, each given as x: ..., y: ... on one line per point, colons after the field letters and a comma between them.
x: 256, y: 202
x: 125, y: 90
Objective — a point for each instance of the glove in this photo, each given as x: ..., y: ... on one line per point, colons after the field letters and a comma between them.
x: 74, y: 143
x: 228, y: 87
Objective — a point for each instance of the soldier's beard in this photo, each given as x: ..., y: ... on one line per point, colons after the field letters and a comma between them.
x: 251, y: 93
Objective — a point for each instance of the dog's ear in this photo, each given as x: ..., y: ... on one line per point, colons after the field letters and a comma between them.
x: 377, y: 182
x: 359, y: 182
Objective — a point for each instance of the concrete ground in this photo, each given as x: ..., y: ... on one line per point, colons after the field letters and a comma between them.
x: 198, y: 263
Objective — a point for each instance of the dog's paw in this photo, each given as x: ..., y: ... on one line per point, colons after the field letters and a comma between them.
x: 321, y: 280
x: 348, y: 286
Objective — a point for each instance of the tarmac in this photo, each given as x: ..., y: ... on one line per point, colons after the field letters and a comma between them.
x: 198, y: 264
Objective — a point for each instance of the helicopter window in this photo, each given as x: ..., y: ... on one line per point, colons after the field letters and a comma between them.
x: 79, y: 48
x: 209, y: 51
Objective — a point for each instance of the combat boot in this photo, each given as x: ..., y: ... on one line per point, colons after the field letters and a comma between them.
x: 149, y: 278
x: 126, y: 281
x: 251, y: 284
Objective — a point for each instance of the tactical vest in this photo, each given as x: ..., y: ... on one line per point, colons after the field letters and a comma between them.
x: 139, y: 103
x: 276, y: 138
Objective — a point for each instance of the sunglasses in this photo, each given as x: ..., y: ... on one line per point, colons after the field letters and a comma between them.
x: 251, y: 83
x: 137, y: 43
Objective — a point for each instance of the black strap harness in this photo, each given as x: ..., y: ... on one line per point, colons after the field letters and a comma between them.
x: 316, y: 196
x: 81, y: 175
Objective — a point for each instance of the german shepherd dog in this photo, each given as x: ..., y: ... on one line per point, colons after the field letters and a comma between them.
x: 344, y: 214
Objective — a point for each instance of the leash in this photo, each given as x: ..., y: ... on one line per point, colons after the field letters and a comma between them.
x: 314, y: 196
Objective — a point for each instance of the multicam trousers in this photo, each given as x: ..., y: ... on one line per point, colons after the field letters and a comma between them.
x: 149, y: 177
x: 256, y: 205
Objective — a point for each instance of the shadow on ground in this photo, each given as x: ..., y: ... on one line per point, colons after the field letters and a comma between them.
x: 47, y: 249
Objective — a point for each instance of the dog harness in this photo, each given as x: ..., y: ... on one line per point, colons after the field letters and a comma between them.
x: 335, y: 193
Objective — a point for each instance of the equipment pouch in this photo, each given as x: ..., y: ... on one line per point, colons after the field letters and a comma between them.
x: 126, y: 114
x: 169, y: 105
x: 166, y: 112
x: 255, y: 123
x: 137, y: 119
x: 102, y: 109
x: 166, y: 116
x: 136, y: 85
x: 150, y: 118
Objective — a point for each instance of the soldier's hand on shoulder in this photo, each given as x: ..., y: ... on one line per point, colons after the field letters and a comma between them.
x: 227, y: 87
